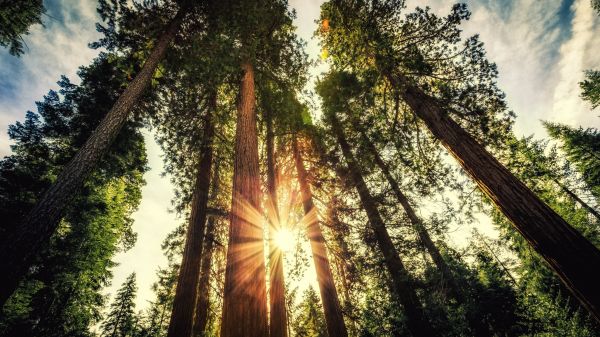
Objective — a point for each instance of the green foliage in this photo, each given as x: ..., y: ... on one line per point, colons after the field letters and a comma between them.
x: 16, y: 17
x: 590, y: 87
x: 61, y: 295
x: 582, y: 148
x: 309, y: 320
x: 121, y: 320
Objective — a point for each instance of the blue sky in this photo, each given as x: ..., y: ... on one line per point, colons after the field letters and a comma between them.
x: 541, y: 49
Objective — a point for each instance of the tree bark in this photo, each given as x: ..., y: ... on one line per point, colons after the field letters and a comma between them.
x: 41, y: 222
x: 182, y: 315
x: 203, y: 298
x: 400, y: 279
x: 245, y: 297
x: 331, y: 303
x: 567, y: 252
x: 416, y: 222
x: 278, y: 321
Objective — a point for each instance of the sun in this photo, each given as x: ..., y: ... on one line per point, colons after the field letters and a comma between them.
x: 284, y: 239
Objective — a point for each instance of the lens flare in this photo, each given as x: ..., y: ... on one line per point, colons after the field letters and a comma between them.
x: 284, y: 239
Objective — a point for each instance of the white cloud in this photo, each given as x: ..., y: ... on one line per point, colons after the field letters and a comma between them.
x: 576, y: 55
x: 58, y: 49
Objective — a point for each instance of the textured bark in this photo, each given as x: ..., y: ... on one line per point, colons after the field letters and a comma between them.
x: 331, y: 303
x: 567, y: 252
x: 245, y: 297
x: 416, y: 222
x: 182, y: 315
x: 400, y: 279
x: 278, y: 321
x: 203, y: 297
x: 43, y: 219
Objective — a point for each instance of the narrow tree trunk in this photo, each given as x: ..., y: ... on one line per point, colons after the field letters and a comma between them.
x: 416, y: 222
x: 339, y: 235
x: 278, y: 321
x: 400, y: 279
x: 567, y: 252
x: 182, y: 314
x: 41, y: 222
x: 245, y: 297
x: 203, y: 298
x: 577, y: 199
x: 331, y: 303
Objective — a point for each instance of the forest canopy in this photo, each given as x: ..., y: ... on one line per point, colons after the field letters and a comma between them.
x: 308, y: 204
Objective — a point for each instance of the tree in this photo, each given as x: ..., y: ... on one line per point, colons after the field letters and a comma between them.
x: 16, y: 17
x: 310, y: 321
x: 278, y: 313
x: 563, y: 248
x: 121, y: 321
x: 590, y: 87
x: 61, y: 293
x: 582, y: 148
x: 265, y: 31
x: 203, y: 298
x: 42, y: 220
x: 400, y: 287
x: 182, y: 316
x: 329, y: 295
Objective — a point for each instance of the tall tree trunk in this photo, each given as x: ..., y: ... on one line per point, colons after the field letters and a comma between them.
x: 416, y: 222
x: 245, y: 294
x: 567, y: 252
x: 400, y: 279
x: 19, y: 248
x: 203, y: 298
x: 331, y: 303
x: 182, y: 314
x: 278, y: 321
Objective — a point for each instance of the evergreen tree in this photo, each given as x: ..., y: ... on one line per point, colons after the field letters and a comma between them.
x: 309, y: 320
x: 36, y: 228
x: 121, y: 320
x: 16, y: 17
x: 590, y: 87
x: 61, y: 294
x: 582, y: 147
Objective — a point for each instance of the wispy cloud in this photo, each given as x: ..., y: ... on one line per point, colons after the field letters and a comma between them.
x: 541, y: 49
x: 57, y: 49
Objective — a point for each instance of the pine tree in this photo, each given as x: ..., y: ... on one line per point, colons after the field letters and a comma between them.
x: 310, y: 321
x: 16, y: 17
x: 590, y: 87
x: 41, y: 221
x: 582, y: 147
x: 62, y: 292
x: 121, y: 320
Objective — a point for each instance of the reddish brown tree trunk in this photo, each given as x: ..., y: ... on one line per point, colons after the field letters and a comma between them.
x: 245, y: 295
x: 567, y: 252
x: 42, y: 220
x: 331, y: 303
x: 203, y: 298
x: 400, y: 279
x: 278, y: 321
x: 182, y: 315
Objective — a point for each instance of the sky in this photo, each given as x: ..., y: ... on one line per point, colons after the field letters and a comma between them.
x: 541, y: 49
